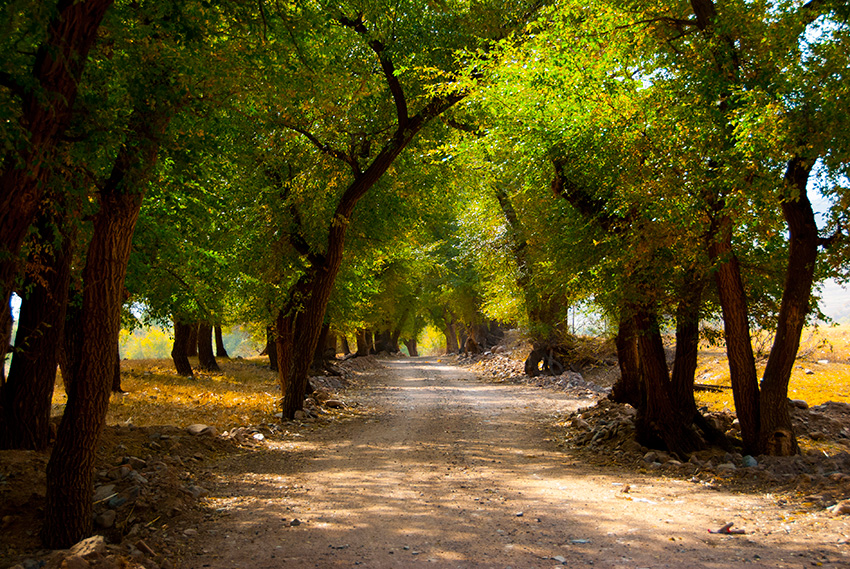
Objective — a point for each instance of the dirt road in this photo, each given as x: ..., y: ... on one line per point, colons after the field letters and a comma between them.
x: 447, y: 471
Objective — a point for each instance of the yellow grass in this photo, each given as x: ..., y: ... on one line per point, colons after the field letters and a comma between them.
x: 829, y: 382
x: 244, y: 393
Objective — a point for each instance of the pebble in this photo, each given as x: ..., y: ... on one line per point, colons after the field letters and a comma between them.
x: 295, y: 523
x: 199, y: 429
x: 103, y: 492
x: 840, y: 509
x: 650, y: 457
x: 799, y: 403
x: 106, y: 519
x: 89, y: 547
x: 190, y: 532
x: 749, y: 461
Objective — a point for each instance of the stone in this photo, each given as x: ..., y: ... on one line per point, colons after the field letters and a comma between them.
x: 136, y: 462
x: 106, y: 519
x: 673, y: 463
x: 809, y: 372
x: 116, y: 501
x: 190, y: 532
x: 632, y: 445
x: 295, y: 523
x: 799, y: 403
x: 300, y: 415
x: 749, y: 461
x: 94, y: 546
x: 74, y: 562
x: 101, y: 493
x: 201, y: 430
x: 650, y: 457
x: 334, y: 404
x: 840, y: 509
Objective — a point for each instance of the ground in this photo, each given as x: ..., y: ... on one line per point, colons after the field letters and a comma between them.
x: 428, y: 464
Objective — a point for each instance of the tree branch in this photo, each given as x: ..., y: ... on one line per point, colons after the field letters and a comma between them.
x: 325, y: 148
x: 386, y: 65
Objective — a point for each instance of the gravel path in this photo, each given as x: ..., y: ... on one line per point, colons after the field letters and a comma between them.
x: 448, y: 471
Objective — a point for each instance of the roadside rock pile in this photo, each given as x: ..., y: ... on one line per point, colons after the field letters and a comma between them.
x: 502, y: 368
x: 148, y: 496
x: 605, y: 434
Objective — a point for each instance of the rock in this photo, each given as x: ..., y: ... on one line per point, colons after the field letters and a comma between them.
x: 116, y: 501
x: 199, y: 430
x: 749, y: 461
x: 196, y: 491
x: 840, y: 509
x: 94, y: 546
x: 808, y: 372
x: 74, y: 562
x: 295, y: 523
x: 106, y: 519
x: 136, y: 462
x: 799, y: 403
x: 334, y: 404
x: 727, y: 466
x: 650, y: 457
x: 300, y: 415
x: 101, y: 493
x: 632, y: 445
x: 823, y: 362
x: 673, y: 463
x: 190, y: 532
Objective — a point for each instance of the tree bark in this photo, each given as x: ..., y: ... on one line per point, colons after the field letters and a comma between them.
x: 450, y: 332
x: 346, y: 349
x: 777, y: 434
x: 68, y: 510
x: 46, y: 112
x: 629, y: 388
x: 27, y: 394
x: 182, y: 336
x: 192, y: 345
x: 739, y: 349
x: 206, y: 357
x: 687, y: 344
x: 363, y: 342
x: 220, y: 350
x: 658, y: 419
x: 116, y: 372
x: 412, y: 349
x: 271, y: 347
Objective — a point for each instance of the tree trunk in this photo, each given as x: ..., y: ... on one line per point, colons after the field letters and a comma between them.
x: 46, y: 111
x: 68, y: 511
x: 314, y: 287
x: 346, y: 349
x: 6, y: 325
x: 629, y: 388
x: 739, y: 349
x: 192, y: 345
x: 320, y: 355
x: 450, y: 331
x: 206, y: 357
x: 27, y: 394
x: 412, y: 349
x: 658, y: 419
x: 182, y: 336
x: 687, y: 344
x: 363, y: 343
x: 116, y: 373
x: 777, y: 434
x: 271, y: 347
x: 220, y: 350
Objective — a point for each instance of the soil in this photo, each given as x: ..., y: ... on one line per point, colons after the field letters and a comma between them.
x: 431, y: 466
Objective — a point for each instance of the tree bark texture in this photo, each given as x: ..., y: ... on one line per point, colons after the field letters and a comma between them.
x: 739, y: 348
x: 206, y: 357
x: 658, y: 419
x: 68, y: 509
x: 687, y: 344
x: 220, y: 350
x: 364, y: 342
x: 343, y: 340
x: 68, y: 512
x: 629, y: 388
x: 192, y: 345
x: 271, y: 347
x: 777, y: 434
x: 179, y: 349
x: 45, y: 114
x: 412, y: 349
x: 27, y: 394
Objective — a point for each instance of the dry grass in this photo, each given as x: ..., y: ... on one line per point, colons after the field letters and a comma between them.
x: 244, y: 393
x: 828, y: 381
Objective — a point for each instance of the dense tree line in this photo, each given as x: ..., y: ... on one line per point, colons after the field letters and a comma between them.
x: 360, y: 170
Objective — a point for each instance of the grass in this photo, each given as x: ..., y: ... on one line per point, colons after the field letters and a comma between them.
x: 824, y: 351
x: 246, y: 392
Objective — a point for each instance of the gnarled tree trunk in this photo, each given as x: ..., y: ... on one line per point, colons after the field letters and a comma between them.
x: 206, y: 357
x: 179, y: 349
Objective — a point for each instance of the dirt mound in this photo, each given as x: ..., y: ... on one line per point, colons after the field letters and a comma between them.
x: 818, y: 478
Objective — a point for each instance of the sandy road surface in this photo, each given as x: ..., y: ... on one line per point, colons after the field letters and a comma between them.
x: 447, y: 471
